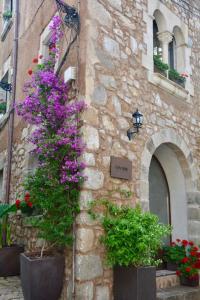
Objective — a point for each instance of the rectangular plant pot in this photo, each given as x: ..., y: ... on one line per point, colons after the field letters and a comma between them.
x: 10, y: 260
x: 132, y: 283
x: 172, y: 266
x: 189, y: 282
x: 42, y: 278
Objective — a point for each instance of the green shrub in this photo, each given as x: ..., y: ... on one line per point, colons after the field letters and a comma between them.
x: 131, y: 237
x: 175, y: 76
x: 56, y: 205
x: 159, y: 64
x: 3, y: 108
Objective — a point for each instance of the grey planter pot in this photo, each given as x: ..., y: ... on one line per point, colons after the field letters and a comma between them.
x: 42, y: 278
x: 134, y: 283
x: 9, y: 260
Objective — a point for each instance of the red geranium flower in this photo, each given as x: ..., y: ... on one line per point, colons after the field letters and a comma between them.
x: 30, y: 204
x: 197, y: 264
x: 30, y: 72
x: 178, y: 240
x: 178, y: 273
x: 198, y: 254
x: 17, y: 203
x: 195, y: 248
x: 191, y: 243
x: 193, y: 253
x: 185, y: 260
x: 188, y: 269
x: 27, y: 196
x: 172, y: 244
x: 184, y: 242
x: 35, y: 60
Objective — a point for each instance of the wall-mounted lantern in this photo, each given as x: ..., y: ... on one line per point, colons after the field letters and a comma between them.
x: 137, y: 123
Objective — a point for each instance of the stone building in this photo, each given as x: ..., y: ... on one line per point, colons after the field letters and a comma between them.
x: 113, y: 56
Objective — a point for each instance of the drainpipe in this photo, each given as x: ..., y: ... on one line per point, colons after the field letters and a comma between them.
x: 12, y: 104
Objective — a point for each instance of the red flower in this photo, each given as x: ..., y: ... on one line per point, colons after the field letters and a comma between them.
x: 30, y: 204
x: 30, y: 72
x: 191, y: 243
x: 17, y: 203
x: 178, y: 273
x: 178, y: 240
x: 172, y: 244
x: 195, y: 248
x: 198, y: 254
x: 185, y: 260
x: 193, y: 253
x: 184, y: 242
x: 35, y: 60
x: 188, y: 269
x: 27, y: 196
x: 197, y: 264
x: 40, y: 56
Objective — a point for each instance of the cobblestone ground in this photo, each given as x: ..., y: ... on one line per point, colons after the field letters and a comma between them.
x: 10, y: 289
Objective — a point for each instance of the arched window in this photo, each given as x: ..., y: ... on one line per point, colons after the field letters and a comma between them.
x: 157, y: 49
x: 172, y: 54
x: 180, y: 49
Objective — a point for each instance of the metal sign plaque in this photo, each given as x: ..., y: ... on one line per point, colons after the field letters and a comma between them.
x: 121, y: 168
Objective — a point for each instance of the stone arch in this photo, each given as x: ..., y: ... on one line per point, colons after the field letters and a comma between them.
x: 184, y: 155
x: 180, y: 48
x: 177, y: 162
x: 160, y: 20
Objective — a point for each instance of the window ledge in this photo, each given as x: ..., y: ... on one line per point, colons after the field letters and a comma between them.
x: 6, y: 28
x: 168, y: 85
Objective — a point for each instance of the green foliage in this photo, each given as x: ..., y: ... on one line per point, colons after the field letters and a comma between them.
x: 173, y: 253
x: 175, y: 76
x: 3, y: 108
x: 131, y: 237
x: 7, y: 15
x: 5, y: 209
x: 159, y: 64
x: 57, y: 205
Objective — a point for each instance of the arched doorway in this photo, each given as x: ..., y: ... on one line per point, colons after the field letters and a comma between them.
x: 176, y: 161
x: 159, y: 194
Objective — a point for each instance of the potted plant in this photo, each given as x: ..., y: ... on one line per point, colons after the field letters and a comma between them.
x: 54, y: 187
x: 174, y: 253
x: 159, y: 66
x: 7, y: 15
x: 9, y: 253
x: 176, y: 77
x: 131, y: 238
x: 3, y: 108
x: 189, y: 266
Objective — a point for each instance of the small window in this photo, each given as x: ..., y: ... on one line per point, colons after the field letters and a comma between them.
x: 157, y: 49
x: 33, y: 163
x: 45, y: 44
x: 1, y: 185
x: 172, y: 54
x: 7, y: 11
x: 4, y: 96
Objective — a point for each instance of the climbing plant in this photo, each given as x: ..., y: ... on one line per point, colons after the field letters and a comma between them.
x: 54, y: 187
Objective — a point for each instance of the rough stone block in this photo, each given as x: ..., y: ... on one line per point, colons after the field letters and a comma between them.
x: 88, y: 267
x: 85, y: 239
x: 102, y: 293
x: 95, y: 179
x: 91, y: 137
x: 99, y: 95
x: 84, y: 291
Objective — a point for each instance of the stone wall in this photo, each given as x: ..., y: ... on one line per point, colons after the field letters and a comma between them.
x: 116, y: 85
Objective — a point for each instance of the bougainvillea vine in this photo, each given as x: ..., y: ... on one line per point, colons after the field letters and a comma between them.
x: 55, y: 185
